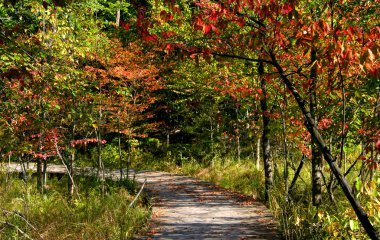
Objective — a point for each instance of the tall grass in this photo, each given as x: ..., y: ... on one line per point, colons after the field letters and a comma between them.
x: 92, y: 214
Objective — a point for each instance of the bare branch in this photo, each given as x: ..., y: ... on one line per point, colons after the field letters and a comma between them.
x: 17, y: 228
x: 138, y: 194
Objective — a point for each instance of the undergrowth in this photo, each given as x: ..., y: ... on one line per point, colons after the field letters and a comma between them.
x: 93, y: 213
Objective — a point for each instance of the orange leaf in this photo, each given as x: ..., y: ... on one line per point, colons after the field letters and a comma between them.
x: 371, y: 55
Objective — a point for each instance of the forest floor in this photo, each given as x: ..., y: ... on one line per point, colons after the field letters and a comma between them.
x: 188, y: 208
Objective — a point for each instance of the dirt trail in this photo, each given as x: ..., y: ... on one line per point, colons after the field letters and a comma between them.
x: 187, y: 208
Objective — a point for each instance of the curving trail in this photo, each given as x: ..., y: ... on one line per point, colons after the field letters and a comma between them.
x: 187, y: 208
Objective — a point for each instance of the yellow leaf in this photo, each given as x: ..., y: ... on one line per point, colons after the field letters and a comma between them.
x: 371, y: 55
x: 298, y: 221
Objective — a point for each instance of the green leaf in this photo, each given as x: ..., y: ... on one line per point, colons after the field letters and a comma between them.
x: 358, y: 184
x: 353, y: 225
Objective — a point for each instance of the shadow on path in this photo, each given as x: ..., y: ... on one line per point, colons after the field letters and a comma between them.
x: 187, y: 208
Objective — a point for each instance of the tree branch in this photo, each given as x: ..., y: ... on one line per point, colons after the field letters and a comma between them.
x: 311, y: 127
x: 242, y: 58
x: 138, y: 194
x: 17, y: 228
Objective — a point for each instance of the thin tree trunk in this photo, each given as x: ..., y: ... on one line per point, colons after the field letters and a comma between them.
x: 117, y: 22
x: 296, y: 175
x: 120, y: 155
x: 24, y: 173
x: 212, y: 135
x: 44, y: 173
x: 343, y: 136
x: 258, y: 154
x: 371, y: 169
x: 285, y: 145
x: 39, y: 175
x: 345, y: 161
x: 8, y: 169
x: 361, y: 214
x: 129, y: 153
x: 71, y: 172
x: 167, y: 138
x: 237, y: 132
x: 238, y: 146
x: 100, y: 160
x: 373, y: 151
x: 118, y: 13
x: 316, y: 160
x: 265, y: 137
x: 39, y: 168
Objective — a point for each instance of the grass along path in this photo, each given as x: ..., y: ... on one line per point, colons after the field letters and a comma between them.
x: 187, y: 208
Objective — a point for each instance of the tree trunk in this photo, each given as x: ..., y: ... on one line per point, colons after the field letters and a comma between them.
x: 296, y: 175
x: 258, y: 154
x: 39, y: 175
x: 70, y: 166
x: 120, y: 155
x: 129, y: 153
x: 212, y: 135
x: 100, y: 160
x: 310, y: 125
x: 238, y: 146
x: 237, y: 132
x: 117, y: 22
x: 265, y: 137
x: 167, y: 138
x: 285, y: 145
x: 44, y: 173
x: 118, y: 13
x: 316, y: 159
x: 24, y: 173
x: 8, y: 170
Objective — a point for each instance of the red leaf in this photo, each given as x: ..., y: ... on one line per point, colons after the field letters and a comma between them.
x: 286, y: 9
x: 240, y: 22
x: 150, y: 38
x: 168, y: 34
x: 214, y: 16
x: 324, y: 123
x: 206, y: 29
x: 124, y: 25
x: 169, y: 48
x: 217, y: 32
x: 199, y: 21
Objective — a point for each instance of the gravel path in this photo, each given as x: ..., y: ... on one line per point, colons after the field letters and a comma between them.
x: 187, y: 208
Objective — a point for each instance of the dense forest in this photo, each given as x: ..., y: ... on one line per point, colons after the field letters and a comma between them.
x: 276, y: 99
